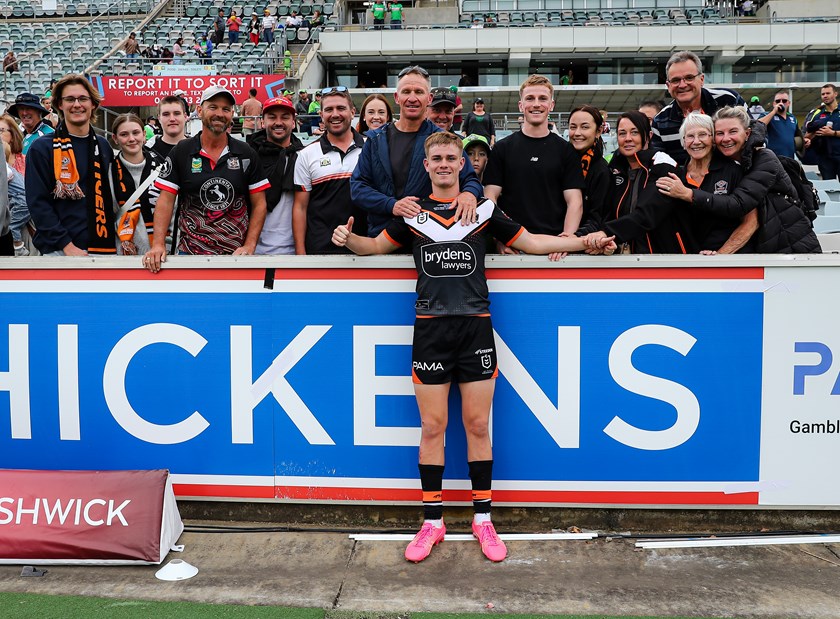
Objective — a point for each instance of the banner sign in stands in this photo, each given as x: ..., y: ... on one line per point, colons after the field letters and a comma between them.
x: 641, y: 381
x: 86, y: 517
x: 145, y: 90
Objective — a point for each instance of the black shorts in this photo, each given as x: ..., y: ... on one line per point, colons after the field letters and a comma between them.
x: 453, y: 349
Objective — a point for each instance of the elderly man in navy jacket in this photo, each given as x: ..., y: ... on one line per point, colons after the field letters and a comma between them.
x: 389, y: 178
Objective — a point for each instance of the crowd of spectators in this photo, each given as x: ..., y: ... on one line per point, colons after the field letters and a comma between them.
x: 700, y: 174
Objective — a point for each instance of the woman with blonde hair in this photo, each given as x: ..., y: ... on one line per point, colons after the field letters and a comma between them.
x: 12, y: 135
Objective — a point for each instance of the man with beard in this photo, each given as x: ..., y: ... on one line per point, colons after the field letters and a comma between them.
x: 278, y: 149
x: 220, y: 187
x: 322, y: 176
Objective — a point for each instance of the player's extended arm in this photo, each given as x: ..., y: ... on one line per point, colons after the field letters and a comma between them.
x: 547, y: 244
x: 362, y: 245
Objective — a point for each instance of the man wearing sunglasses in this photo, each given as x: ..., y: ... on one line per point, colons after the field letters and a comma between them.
x: 390, y: 179
x: 685, y: 82
x: 783, y: 134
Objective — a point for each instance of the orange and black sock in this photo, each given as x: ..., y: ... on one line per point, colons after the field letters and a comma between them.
x: 481, y: 475
x: 431, y: 480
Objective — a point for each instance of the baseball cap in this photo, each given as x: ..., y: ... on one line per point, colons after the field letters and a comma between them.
x: 279, y: 102
x: 216, y: 90
x: 453, y: 88
x: 474, y: 138
x: 442, y: 95
x: 755, y: 100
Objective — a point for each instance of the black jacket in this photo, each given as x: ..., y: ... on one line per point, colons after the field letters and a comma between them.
x: 278, y: 164
x: 658, y: 224
x: 712, y: 230
x: 596, y: 193
x: 783, y: 227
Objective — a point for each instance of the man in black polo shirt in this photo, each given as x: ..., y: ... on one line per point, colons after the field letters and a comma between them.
x: 322, y: 177
x: 220, y: 187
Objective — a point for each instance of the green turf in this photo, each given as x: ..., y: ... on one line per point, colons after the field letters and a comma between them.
x: 34, y: 606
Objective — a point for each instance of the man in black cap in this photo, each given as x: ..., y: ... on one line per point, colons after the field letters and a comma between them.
x: 441, y: 110
x: 27, y: 107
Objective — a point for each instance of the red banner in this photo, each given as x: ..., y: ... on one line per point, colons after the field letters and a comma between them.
x: 86, y: 516
x: 143, y: 90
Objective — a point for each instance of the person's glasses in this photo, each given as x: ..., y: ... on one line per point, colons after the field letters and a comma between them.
x: 698, y: 137
x: 74, y: 100
x: 688, y: 79
x: 331, y: 90
x: 781, y: 101
x: 413, y: 69
x: 4, y: 130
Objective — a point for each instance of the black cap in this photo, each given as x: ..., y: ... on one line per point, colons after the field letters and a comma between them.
x: 479, y: 100
x: 442, y: 95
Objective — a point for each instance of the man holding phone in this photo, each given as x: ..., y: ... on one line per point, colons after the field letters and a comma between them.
x: 783, y: 135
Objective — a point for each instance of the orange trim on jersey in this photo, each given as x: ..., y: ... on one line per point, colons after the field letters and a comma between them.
x: 441, y: 200
x: 679, y: 240
x: 332, y: 177
x: 650, y: 247
x: 447, y: 222
x: 414, y: 377
x: 516, y: 236
x: 434, y: 496
x: 390, y: 239
x: 481, y: 495
x: 693, y: 182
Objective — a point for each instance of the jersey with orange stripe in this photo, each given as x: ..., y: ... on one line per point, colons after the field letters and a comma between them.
x: 450, y: 257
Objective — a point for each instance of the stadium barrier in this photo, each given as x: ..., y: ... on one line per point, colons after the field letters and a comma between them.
x: 631, y: 380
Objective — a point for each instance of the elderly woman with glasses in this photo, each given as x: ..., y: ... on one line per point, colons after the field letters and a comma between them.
x: 708, y: 170
x: 765, y: 191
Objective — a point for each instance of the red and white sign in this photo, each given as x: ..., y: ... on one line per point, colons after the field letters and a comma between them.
x: 147, y: 90
x: 76, y: 517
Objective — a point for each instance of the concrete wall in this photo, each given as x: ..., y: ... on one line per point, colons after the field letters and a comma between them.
x: 797, y: 8
x: 432, y: 15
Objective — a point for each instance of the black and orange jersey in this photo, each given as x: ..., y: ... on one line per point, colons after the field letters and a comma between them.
x: 450, y: 257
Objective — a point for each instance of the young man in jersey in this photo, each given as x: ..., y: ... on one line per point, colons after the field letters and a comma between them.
x: 453, y: 335
x: 172, y: 116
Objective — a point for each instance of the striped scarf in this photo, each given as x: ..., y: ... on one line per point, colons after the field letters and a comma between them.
x: 68, y: 186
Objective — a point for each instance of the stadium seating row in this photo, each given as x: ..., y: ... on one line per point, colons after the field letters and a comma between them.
x: 24, y: 9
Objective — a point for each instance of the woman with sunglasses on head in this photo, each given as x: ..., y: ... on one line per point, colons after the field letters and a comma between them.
x: 375, y: 112
x: 585, y: 124
x: 133, y: 167
x: 764, y: 194
x: 643, y: 220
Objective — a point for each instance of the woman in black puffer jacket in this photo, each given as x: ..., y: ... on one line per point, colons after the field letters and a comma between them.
x: 765, y: 188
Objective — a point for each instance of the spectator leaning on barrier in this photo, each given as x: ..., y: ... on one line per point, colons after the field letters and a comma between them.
x: 378, y: 9
x: 172, y: 115
x: 66, y: 178
x: 278, y: 147
x: 822, y: 137
x: 783, y: 134
x: 322, y: 176
x: 219, y: 184
x: 534, y: 175
x: 27, y: 107
x: 390, y: 177
x: 685, y: 80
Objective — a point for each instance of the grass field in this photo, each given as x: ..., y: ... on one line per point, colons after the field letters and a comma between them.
x: 31, y: 606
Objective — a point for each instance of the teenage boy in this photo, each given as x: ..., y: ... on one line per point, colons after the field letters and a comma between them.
x: 172, y: 116
x: 453, y: 335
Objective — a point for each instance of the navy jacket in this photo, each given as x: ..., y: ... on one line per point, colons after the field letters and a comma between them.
x: 372, y: 183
